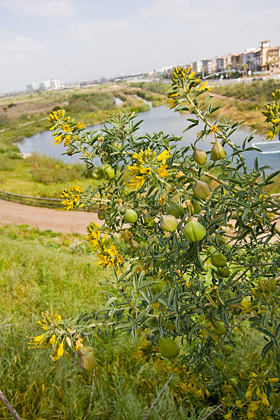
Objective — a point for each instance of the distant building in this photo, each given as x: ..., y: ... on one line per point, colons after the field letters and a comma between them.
x: 197, y: 66
x: 223, y: 63
x: 52, y: 84
x: 236, y: 61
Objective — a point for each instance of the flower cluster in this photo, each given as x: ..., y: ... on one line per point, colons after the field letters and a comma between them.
x: 106, y: 251
x: 255, y: 404
x: 50, y: 323
x: 272, y: 114
x: 67, y: 131
x: 72, y: 197
x: 146, y: 165
x: 56, y: 334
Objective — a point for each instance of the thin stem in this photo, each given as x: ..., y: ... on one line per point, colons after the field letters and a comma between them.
x: 158, y: 397
x: 220, y: 134
x: 212, y: 412
x: 91, y: 393
x: 9, y: 406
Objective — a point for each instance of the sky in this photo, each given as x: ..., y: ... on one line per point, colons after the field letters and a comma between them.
x: 76, y: 40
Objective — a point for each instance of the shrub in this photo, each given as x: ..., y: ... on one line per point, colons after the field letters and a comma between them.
x: 194, y: 248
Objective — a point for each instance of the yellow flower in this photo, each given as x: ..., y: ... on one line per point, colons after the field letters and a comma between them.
x: 39, y: 338
x: 79, y: 344
x: 112, y: 251
x: 145, y: 171
x: 238, y: 403
x: 58, y: 139
x: 264, y: 399
x: 172, y: 103
x: 213, y: 129
x: 163, y: 156
x: 162, y: 171
x: 52, y: 339
x: 66, y: 128
x: 228, y: 416
x: 136, y: 182
x: 80, y: 125
x: 67, y: 140
x: 58, y: 352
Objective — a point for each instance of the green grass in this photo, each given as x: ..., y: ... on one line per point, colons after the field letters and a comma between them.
x: 39, y: 175
x: 44, y: 270
x: 258, y: 92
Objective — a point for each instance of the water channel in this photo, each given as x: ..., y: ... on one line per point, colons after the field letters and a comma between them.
x: 173, y: 123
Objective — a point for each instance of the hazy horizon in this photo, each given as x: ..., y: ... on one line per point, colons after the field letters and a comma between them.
x: 75, y: 40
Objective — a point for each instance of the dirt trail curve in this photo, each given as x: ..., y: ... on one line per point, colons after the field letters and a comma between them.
x: 44, y: 218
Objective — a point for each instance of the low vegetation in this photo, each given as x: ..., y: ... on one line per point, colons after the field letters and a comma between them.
x: 244, y: 101
x: 44, y: 270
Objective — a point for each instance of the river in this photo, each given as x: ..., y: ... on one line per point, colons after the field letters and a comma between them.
x: 161, y: 119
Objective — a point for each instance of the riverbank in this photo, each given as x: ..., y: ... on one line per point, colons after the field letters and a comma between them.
x: 26, y: 115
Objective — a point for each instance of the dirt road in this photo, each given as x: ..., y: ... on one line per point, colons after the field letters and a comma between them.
x: 43, y: 218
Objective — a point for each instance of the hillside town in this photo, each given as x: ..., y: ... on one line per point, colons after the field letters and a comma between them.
x: 253, y: 61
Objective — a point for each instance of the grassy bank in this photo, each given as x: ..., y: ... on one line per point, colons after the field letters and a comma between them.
x: 37, y: 175
x: 25, y: 115
x: 245, y: 101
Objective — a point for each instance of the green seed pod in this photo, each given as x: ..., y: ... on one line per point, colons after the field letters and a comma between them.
x: 134, y: 244
x: 194, y: 231
x: 176, y: 210
x: 101, y: 213
x: 108, y: 171
x: 219, y: 327
x: 196, y: 207
x: 149, y: 222
x: 130, y: 216
x: 201, y: 190
x: 233, y: 382
x: 97, y: 173
x: 168, y: 348
x: 227, y: 350
x: 125, y: 191
x: 218, y: 260
x: 199, y: 156
x: 223, y: 272
x: 168, y: 223
x: 88, y: 361
x: 218, y: 363
x: 217, y: 152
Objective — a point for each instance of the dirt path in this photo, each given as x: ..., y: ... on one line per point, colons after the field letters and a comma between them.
x: 43, y: 218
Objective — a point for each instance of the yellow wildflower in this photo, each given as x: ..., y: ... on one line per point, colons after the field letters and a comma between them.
x: 162, y: 171
x: 80, y: 125
x: 58, y: 139
x: 213, y: 129
x: 163, y: 156
x: 52, y: 340
x: 136, y: 182
x: 39, y: 339
x: 66, y: 128
x: 58, y: 352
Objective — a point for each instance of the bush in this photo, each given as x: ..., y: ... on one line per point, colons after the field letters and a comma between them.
x: 47, y: 170
x: 193, y: 242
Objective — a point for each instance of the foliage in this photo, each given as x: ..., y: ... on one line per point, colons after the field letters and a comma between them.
x: 257, y: 92
x: 43, y: 269
x: 200, y: 261
x: 47, y: 170
x: 91, y: 102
